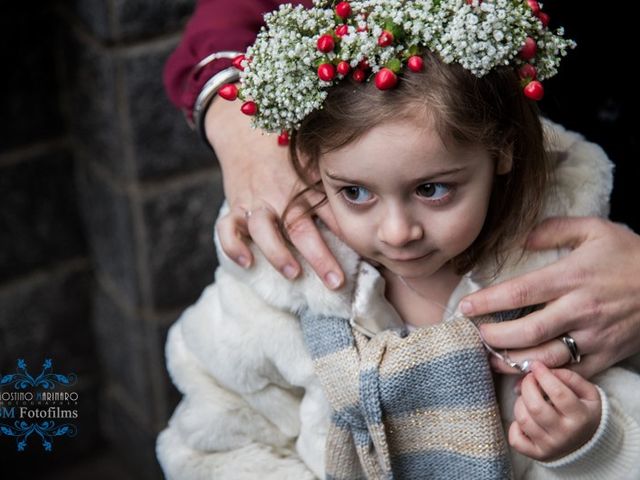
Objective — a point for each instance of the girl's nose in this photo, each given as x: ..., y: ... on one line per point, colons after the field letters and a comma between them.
x: 398, y: 229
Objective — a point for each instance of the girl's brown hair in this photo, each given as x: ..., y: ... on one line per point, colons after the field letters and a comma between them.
x: 490, y: 112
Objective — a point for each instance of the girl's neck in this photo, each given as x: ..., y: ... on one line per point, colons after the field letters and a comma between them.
x: 421, y: 301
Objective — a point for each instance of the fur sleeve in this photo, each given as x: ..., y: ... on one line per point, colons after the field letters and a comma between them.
x: 583, y: 175
x: 240, y: 414
x: 614, y: 450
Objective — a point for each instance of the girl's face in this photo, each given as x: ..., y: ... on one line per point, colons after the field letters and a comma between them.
x: 403, y: 199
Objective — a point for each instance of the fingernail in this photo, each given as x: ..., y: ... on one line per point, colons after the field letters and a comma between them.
x: 332, y: 279
x: 243, y: 261
x: 290, y: 272
x: 466, y: 308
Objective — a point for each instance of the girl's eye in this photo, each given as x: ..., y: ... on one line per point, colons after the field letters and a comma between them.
x: 433, y: 191
x: 356, y: 194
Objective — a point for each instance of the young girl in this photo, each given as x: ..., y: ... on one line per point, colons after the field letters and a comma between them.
x: 433, y: 171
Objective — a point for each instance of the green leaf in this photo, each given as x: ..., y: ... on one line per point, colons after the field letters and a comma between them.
x: 394, y: 64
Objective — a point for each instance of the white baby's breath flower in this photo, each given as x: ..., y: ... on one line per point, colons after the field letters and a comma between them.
x: 280, y: 69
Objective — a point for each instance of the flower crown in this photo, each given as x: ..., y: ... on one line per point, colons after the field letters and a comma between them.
x: 302, y: 52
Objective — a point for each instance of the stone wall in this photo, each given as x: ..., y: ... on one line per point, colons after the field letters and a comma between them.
x: 46, y: 275
x: 108, y: 203
x: 148, y: 194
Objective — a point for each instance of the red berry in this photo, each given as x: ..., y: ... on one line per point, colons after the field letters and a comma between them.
x: 534, y: 6
x: 386, y: 79
x: 362, y: 28
x: 359, y: 75
x: 529, y: 49
x: 249, y: 108
x: 544, y: 18
x: 326, y: 43
x: 469, y: 2
x: 237, y: 62
x: 534, y: 90
x: 385, y: 39
x: 343, y: 10
x: 326, y: 72
x: 415, y: 63
x: 363, y: 65
x: 343, y: 67
x: 283, y: 138
x: 528, y: 72
x: 228, y: 92
x: 342, y: 30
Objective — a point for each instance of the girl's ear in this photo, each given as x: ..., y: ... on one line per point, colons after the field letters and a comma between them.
x: 505, y: 161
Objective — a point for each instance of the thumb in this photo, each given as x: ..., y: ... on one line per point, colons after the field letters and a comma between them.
x: 560, y: 232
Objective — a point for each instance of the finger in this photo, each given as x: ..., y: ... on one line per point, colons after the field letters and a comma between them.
x: 561, y: 232
x: 520, y: 442
x: 538, y: 327
x: 562, y: 397
x: 533, y: 288
x: 232, y: 234
x: 537, y: 405
x: 552, y: 353
x: 578, y: 384
x: 265, y: 233
x: 304, y: 234
x: 326, y: 215
x: 590, y: 365
x: 526, y: 421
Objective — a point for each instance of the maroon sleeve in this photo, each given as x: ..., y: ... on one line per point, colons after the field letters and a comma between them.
x: 216, y: 25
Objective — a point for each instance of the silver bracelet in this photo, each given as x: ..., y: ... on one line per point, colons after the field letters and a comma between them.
x: 228, y: 75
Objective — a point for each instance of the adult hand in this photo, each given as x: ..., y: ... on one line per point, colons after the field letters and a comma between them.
x: 259, y: 182
x: 593, y: 294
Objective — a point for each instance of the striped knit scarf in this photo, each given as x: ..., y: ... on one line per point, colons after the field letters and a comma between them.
x: 413, y: 406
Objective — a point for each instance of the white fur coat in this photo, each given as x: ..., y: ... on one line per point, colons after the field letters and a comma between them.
x: 252, y: 405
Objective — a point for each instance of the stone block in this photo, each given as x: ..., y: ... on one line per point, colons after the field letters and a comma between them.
x: 108, y: 222
x: 162, y: 141
x: 39, y: 216
x: 179, y: 225
x: 29, y: 104
x: 47, y: 316
x: 124, y: 354
x: 132, y: 440
x: 118, y: 20
x: 96, y: 17
x: 90, y: 83
x: 143, y: 18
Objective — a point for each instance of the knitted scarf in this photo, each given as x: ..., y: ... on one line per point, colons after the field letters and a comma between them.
x: 407, y: 405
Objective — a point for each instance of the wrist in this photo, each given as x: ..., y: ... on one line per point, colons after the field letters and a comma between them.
x: 252, y: 163
x: 206, y: 96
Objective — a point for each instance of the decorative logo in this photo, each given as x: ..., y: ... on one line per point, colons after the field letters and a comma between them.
x: 26, y: 402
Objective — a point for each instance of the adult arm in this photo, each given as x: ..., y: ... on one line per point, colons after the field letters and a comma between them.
x: 593, y: 294
x: 257, y: 175
x: 216, y: 25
